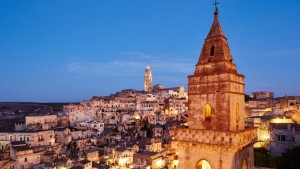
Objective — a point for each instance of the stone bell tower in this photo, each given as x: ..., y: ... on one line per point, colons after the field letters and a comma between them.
x: 216, y: 137
x: 148, y: 80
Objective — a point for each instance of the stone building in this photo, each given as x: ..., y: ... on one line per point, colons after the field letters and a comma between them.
x: 285, y: 134
x: 148, y: 159
x: 6, y: 164
x: 92, y: 154
x: 34, y: 138
x: 153, y: 144
x: 24, y: 157
x: 216, y: 136
x: 148, y: 80
x: 263, y: 95
x: 63, y: 136
x: 41, y: 122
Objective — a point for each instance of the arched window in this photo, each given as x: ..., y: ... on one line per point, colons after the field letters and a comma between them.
x: 207, y: 111
x: 237, y: 115
x: 245, y: 164
x: 203, y: 164
x: 212, y: 51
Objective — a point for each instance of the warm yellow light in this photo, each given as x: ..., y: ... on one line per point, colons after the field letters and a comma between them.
x: 203, y: 164
x: 121, y: 161
x: 159, y: 163
x: 167, y: 112
x: 137, y: 117
x: 207, y: 110
x: 266, y: 137
x: 175, y: 112
x: 175, y: 162
x: 279, y: 120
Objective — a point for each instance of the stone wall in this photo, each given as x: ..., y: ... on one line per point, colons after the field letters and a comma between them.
x: 216, y: 156
x: 194, y: 137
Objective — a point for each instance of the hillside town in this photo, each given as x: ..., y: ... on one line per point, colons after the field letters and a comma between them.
x: 211, y: 124
x: 131, y: 129
x: 128, y: 129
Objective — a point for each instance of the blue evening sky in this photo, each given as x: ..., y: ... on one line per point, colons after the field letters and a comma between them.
x: 70, y: 50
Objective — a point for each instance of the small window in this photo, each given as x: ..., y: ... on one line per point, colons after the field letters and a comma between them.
x: 25, y: 159
x: 212, y: 51
x: 207, y: 111
x: 281, y: 137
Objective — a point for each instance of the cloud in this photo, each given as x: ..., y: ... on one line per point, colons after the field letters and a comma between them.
x: 136, y: 55
x: 131, y: 66
x: 115, y: 68
x: 74, y: 67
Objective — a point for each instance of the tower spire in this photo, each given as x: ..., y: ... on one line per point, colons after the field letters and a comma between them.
x: 216, y: 29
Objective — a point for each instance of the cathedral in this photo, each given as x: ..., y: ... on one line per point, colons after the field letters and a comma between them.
x: 216, y: 137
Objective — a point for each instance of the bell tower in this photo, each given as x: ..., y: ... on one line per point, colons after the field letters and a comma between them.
x: 216, y: 89
x: 216, y: 137
x: 148, y: 80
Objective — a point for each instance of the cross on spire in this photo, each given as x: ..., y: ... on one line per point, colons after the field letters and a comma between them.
x: 216, y: 4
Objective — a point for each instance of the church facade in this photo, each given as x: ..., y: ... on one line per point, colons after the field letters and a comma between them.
x: 216, y: 137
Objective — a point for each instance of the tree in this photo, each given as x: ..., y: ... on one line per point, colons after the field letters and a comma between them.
x: 247, y: 98
x: 261, y: 157
x: 290, y: 159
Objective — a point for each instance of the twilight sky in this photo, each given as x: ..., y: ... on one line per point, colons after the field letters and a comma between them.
x: 70, y: 50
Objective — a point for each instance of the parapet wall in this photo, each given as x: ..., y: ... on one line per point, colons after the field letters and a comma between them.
x: 196, y: 137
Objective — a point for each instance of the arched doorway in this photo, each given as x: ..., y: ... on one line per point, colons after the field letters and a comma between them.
x: 245, y: 164
x: 203, y: 164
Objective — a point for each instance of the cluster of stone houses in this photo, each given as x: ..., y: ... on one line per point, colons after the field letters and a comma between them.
x: 129, y: 129
x: 277, y: 119
x: 132, y: 129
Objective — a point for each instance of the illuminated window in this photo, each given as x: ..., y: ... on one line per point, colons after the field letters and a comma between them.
x: 245, y: 164
x: 207, y: 111
x: 203, y: 164
x: 237, y: 109
x: 212, y: 51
